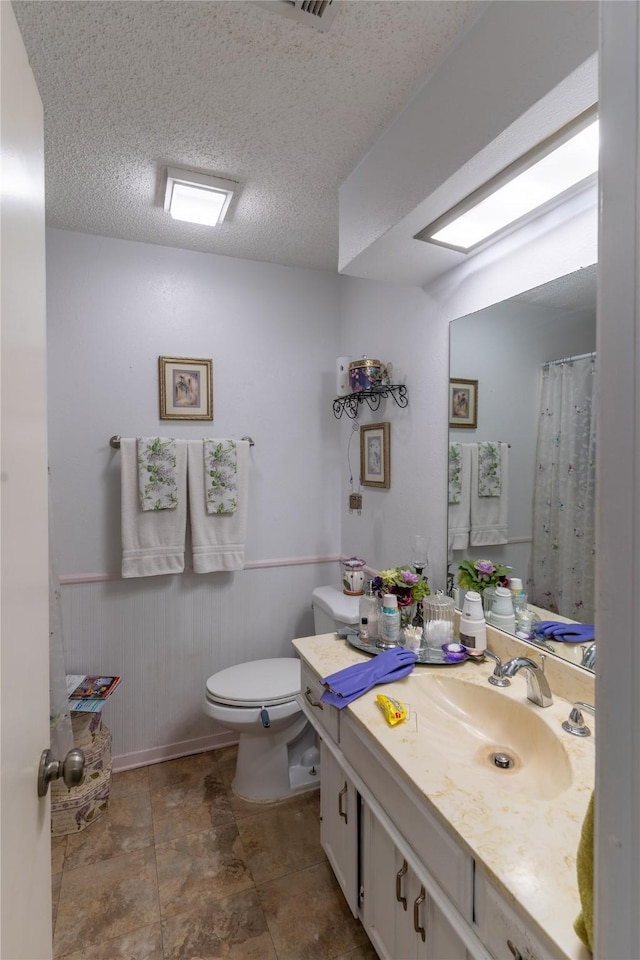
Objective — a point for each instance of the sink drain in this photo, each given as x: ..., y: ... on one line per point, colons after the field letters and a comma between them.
x: 502, y: 760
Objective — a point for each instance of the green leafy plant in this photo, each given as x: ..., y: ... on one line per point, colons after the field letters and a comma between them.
x: 479, y: 574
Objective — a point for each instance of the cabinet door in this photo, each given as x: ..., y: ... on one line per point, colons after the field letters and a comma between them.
x: 386, y: 907
x: 443, y: 943
x: 339, y: 824
x: 433, y: 936
x: 505, y: 934
x: 400, y: 918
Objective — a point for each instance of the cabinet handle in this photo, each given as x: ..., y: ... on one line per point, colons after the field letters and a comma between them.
x: 514, y: 950
x: 399, y: 875
x: 314, y: 703
x: 416, y: 914
x: 343, y: 813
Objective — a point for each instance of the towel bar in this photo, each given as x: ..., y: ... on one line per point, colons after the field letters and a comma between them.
x: 114, y: 441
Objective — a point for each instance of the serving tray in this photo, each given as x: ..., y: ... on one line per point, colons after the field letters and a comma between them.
x: 434, y: 658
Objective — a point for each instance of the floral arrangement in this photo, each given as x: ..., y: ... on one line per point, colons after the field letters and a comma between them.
x: 407, y: 585
x: 479, y: 574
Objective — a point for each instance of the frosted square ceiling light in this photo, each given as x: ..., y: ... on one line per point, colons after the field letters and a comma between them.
x: 197, y: 197
x: 548, y: 174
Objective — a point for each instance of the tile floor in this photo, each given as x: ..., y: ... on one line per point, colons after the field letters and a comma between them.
x: 181, y: 869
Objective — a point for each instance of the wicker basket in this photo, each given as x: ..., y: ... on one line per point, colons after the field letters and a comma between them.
x: 86, y: 727
x: 73, y: 810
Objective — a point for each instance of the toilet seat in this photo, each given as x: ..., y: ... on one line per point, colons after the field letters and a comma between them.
x: 259, y: 683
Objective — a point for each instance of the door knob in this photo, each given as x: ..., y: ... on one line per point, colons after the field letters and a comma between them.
x: 71, y: 769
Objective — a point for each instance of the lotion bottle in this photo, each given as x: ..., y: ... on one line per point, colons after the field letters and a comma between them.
x: 390, y: 620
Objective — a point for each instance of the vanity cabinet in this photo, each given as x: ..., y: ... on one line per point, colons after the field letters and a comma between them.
x: 403, y: 870
x: 402, y: 906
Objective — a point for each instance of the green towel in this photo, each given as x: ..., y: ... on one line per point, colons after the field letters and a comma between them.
x: 583, y: 925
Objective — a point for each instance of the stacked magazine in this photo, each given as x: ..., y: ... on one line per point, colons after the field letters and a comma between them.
x: 88, y: 694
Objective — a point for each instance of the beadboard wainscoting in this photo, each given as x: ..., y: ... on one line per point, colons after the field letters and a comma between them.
x: 166, y: 635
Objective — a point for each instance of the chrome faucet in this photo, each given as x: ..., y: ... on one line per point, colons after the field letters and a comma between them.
x: 538, y: 689
x: 589, y: 656
x: 497, y: 678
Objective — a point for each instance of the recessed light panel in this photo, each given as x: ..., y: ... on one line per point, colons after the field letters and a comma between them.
x: 567, y: 166
x: 197, y: 197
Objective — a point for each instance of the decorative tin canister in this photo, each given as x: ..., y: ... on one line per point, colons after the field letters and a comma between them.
x: 364, y: 374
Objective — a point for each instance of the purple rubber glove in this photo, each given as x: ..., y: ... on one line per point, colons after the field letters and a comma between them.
x: 565, y: 632
x: 352, y: 682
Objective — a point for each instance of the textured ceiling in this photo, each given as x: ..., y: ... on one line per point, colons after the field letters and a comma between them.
x: 227, y: 88
x: 573, y: 292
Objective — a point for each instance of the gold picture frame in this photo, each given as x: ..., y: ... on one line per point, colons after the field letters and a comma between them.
x: 463, y: 403
x: 186, y: 388
x: 375, y: 455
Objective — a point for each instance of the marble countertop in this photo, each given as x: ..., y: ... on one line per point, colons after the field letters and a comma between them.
x: 526, y: 845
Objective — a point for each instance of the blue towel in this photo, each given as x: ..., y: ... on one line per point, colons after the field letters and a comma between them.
x: 352, y: 682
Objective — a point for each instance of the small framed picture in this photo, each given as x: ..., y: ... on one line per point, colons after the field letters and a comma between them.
x: 463, y: 403
x: 186, y: 388
x: 375, y: 455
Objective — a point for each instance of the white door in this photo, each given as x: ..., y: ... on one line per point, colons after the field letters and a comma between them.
x: 25, y: 890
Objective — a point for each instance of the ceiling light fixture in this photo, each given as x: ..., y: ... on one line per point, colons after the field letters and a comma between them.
x: 197, y: 197
x: 547, y: 175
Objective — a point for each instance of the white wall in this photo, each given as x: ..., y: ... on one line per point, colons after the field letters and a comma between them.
x: 503, y: 347
x: 115, y: 307
x: 393, y: 322
x: 273, y: 334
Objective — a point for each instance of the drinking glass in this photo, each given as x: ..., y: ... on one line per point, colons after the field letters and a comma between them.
x: 419, y: 552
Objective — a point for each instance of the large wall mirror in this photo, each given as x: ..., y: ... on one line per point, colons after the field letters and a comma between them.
x: 529, y: 454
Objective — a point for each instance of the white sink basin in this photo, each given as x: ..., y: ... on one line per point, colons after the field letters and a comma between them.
x: 471, y: 724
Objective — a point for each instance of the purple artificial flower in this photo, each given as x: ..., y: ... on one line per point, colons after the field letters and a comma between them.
x: 485, y: 567
x: 409, y: 577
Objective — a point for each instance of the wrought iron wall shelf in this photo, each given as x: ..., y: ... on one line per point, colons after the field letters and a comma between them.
x: 350, y: 403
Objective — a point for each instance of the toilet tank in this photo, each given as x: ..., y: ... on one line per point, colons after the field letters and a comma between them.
x: 333, y: 609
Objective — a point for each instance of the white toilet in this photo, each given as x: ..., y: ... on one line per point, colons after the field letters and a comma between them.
x: 277, y: 747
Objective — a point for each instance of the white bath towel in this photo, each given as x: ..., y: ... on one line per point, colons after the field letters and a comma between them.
x: 460, y: 512
x: 152, y: 540
x: 217, y: 538
x: 489, y: 514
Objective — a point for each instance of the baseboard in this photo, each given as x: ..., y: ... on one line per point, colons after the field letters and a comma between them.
x: 172, y: 751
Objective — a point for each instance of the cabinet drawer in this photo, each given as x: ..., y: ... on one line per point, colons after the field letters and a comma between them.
x: 503, y: 932
x: 322, y: 715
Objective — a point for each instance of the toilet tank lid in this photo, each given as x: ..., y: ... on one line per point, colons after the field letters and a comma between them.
x: 259, y: 682
x: 342, y: 608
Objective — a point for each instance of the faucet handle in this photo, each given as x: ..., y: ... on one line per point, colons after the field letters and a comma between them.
x: 575, y: 725
x: 497, y: 678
